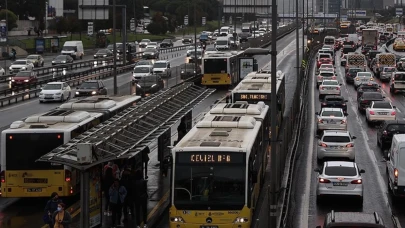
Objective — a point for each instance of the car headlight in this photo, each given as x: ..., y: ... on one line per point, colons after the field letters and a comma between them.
x: 40, y: 94
x: 104, y: 55
x: 182, y: 71
x: 53, y: 61
x: 63, y: 61
x: 177, y: 219
x: 12, y: 80
x: 194, y: 72
x: 143, y: 53
x: 137, y: 85
x: 10, y: 68
x: 93, y: 93
x: 23, y: 68
x: 26, y: 80
x: 77, y: 93
x: 95, y: 55
x: 153, y: 85
x: 241, y: 220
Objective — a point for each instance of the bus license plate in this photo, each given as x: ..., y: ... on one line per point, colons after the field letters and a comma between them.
x: 208, y: 226
x: 34, y: 189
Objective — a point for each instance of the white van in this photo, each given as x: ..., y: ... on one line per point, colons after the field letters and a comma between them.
x: 74, y: 49
x: 224, y: 31
x: 396, y: 166
x: 222, y: 43
x: 354, y: 38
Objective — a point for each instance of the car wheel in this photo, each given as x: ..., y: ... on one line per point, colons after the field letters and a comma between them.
x: 318, y: 200
x: 69, y: 96
x: 378, y: 143
x: 42, y: 64
x: 392, y: 90
x: 62, y: 98
x: 361, y: 202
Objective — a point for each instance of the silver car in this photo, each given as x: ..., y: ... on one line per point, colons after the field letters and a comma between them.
x: 340, y: 178
x: 331, y: 119
x: 336, y: 144
x: 387, y: 73
x: 324, y: 75
x: 362, y: 77
x: 329, y: 87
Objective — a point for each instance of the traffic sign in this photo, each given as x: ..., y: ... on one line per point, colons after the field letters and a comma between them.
x: 186, y: 20
x: 399, y: 11
x: 3, y: 31
x: 132, y: 24
x: 230, y: 19
x: 203, y: 21
x: 223, y: 19
x: 90, y: 28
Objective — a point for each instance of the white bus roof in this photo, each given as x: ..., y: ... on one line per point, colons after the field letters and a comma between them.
x: 101, y: 103
x: 257, y: 111
x: 221, y: 54
x: 62, y: 120
x: 221, y: 133
x: 258, y: 82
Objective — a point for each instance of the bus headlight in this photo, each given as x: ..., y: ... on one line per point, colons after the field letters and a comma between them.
x: 241, y: 220
x: 177, y: 219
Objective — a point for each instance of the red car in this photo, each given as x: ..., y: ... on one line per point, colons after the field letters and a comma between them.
x: 323, y: 61
x: 23, y: 78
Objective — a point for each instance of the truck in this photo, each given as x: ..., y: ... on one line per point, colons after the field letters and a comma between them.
x: 383, y: 60
x: 369, y: 37
x: 247, y: 28
x: 355, y: 60
x: 73, y: 48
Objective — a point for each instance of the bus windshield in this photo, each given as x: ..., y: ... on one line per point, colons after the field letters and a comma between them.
x: 214, y: 186
x: 22, y: 149
x: 215, y: 66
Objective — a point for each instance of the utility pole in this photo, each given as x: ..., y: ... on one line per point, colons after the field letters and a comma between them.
x: 46, y: 5
x: 303, y: 27
x: 195, y: 38
x: 274, y: 157
x: 219, y: 16
x: 234, y: 20
x: 136, y: 23
x: 115, y: 47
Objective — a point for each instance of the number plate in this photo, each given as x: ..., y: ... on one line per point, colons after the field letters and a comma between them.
x: 339, y: 184
x: 383, y: 113
x: 208, y: 226
x: 48, y: 95
x: 332, y: 122
x: 34, y: 189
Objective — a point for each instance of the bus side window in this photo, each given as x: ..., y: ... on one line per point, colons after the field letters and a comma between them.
x: 250, y: 183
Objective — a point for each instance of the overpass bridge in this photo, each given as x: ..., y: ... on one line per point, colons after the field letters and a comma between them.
x: 314, y: 16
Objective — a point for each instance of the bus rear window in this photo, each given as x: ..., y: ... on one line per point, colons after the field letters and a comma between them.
x: 329, y: 41
x: 215, y: 66
x: 23, y: 149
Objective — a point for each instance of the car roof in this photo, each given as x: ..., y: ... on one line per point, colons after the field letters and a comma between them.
x: 357, y: 218
x: 336, y: 132
x: 329, y: 80
x: 382, y: 102
x: 369, y: 92
x: 161, y: 61
x: 55, y: 83
x: 150, y: 66
x: 93, y: 81
x: 340, y: 163
x: 331, y: 109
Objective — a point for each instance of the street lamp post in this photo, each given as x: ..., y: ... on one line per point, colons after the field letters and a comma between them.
x: 115, y: 48
x: 195, y: 39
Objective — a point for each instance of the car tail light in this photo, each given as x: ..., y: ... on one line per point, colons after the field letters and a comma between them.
x: 385, y: 132
x: 322, y: 180
x: 68, y: 175
x: 333, y: 77
x: 320, y: 77
x: 343, y: 104
x: 3, y: 176
x: 349, y: 145
x: 337, y: 88
x: 323, y: 145
x: 364, y: 102
x: 320, y: 120
x: 372, y: 112
x: 393, y: 113
x: 321, y: 88
x: 393, y: 79
x: 375, y: 48
x: 348, y: 74
x: 323, y: 103
x: 396, y: 174
x: 356, y: 181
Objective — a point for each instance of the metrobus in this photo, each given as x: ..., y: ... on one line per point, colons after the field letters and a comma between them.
x: 256, y: 87
x: 217, y: 172
x: 220, y: 69
x: 29, y: 139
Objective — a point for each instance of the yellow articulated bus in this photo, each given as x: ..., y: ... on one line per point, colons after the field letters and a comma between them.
x: 220, y: 69
x: 218, y: 170
x: 256, y: 87
x: 27, y: 140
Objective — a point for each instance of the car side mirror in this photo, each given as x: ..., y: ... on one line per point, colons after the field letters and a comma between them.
x: 362, y: 171
x: 394, y: 106
x: 354, y: 137
x: 317, y: 170
x: 346, y: 114
x: 388, y: 156
x: 383, y: 96
x: 317, y: 113
x: 346, y: 101
x: 340, y: 84
x: 136, y: 80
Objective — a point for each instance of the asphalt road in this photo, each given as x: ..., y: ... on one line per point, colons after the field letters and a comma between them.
x: 304, y: 212
x: 285, y: 62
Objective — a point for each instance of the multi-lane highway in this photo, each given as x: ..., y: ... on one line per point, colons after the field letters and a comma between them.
x: 305, y: 212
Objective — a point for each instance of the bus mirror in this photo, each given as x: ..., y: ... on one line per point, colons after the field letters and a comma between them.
x: 254, y: 177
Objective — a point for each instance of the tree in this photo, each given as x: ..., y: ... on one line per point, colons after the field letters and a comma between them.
x: 154, y: 28
x: 72, y: 25
x: 12, y: 18
x: 61, y: 25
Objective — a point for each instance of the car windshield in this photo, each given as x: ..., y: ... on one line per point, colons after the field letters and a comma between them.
x: 327, y: 74
x: 370, y: 96
x: 152, y: 44
x: 188, y: 66
x: 389, y: 69
x: 324, y: 57
x: 330, y: 83
x: 89, y: 85
x: 102, y: 51
x: 20, y: 62
x: 340, y: 171
x: 327, y: 66
x: 145, y: 41
x: 364, y: 74
x: 333, y: 99
x: 384, y: 105
x: 192, y: 53
x: 140, y: 63
x: 210, y: 49
x: 69, y: 48
x: 332, y: 113
x: 166, y: 41
x: 354, y: 70
x: 150, y: 48
x: 400, y: 77
x: 142, y: 70
x: 338, y: 139
x: 52, y: 87
x: 149, y: 79
x: 396, y: 127
x: 61, y: 57
x: 23, y: 74
x: 32, y: 57
x: 159, y: 65
x: 222, y: 42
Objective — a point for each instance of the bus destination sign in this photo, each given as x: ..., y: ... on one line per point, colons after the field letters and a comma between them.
x: 192, y: 157
x: 251, y: 96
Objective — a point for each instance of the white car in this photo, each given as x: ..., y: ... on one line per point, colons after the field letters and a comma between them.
x: 141, y: 71
x: 324, y: 75
x: 153, y: 44
x: 340, y: 178
x: 144, y: 43
x: 380, y: 111
x: 362, y: 77
x: 331, y: 119
x: 191, y: 49
x: 329, y: 87
x: 55, y: 91
x: 21, y: 64
x: 326, y: 67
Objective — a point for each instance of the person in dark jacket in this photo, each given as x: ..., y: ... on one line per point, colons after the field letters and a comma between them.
x: 61, y: 218
x: 118, y: 194
x: 107, y: 182
x: 145, y: 156
x: 50, y: 207
x: 141, y: 199
x: 127, y: 180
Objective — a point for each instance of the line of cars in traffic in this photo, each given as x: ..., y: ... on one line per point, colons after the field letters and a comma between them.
x: 344, y: 178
